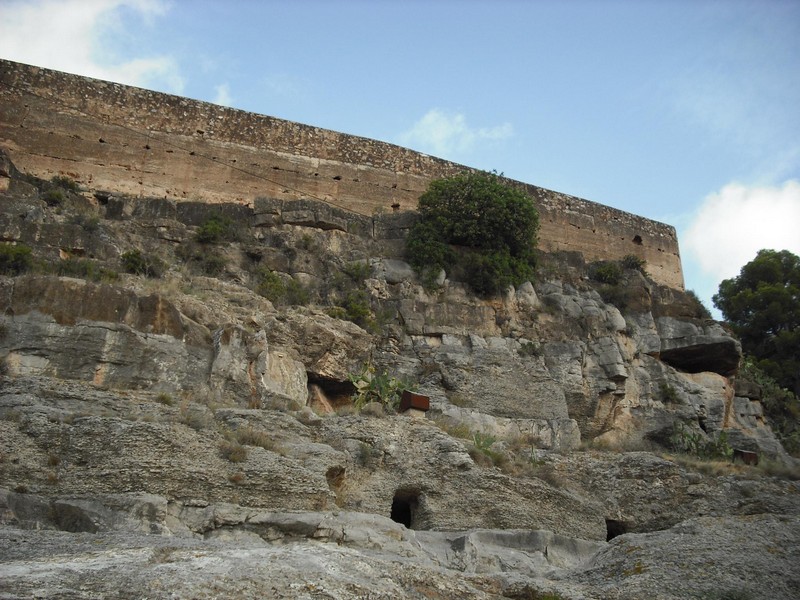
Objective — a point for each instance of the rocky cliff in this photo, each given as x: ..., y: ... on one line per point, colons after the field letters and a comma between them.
x: 187, y: 429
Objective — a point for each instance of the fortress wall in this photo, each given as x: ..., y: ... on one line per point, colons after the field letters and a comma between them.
x: 133, y: 141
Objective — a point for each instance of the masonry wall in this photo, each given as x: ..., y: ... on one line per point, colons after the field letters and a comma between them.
x: 133, y: 141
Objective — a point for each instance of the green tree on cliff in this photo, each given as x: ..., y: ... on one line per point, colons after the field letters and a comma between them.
x: 476, y: 227
x: 762, y: 306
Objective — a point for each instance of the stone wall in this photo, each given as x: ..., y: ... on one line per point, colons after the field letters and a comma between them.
x: 133, y: 141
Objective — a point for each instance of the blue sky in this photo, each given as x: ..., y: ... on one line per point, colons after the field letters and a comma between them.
x: 683, y: 111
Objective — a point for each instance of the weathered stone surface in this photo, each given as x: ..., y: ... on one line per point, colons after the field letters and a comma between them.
x: 703, y: 557
x: 73, y: 329
x: 412, y: 456
x: 698, y: 347
x: 245, y: 367
x: 395, y: 271
x: 123, y: 419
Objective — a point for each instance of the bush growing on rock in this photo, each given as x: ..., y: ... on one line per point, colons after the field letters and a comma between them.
x: 137, y: 263
x: 216, y: 228
x: 694, y: 443
x: 279, y: 291
x: 633, y: 262
x: 478, y: 226
x: 15, y: 259
x: 349, y: 299
x: 606, y: 271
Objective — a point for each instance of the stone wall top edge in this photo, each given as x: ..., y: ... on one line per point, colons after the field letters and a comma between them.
x: 337, y: 145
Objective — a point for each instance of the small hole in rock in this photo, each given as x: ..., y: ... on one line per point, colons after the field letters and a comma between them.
x: 615, y: 528
x: 404, y: 507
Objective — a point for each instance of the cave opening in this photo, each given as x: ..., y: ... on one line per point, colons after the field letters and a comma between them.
x: 404, y: 508
x: 329, y: 394
x: 615, y: 528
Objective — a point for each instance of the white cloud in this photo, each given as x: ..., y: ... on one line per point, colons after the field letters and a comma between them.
x: 66, y: 35
x: 223, y: 95
x: 448, y: 134
x: 733, y: 224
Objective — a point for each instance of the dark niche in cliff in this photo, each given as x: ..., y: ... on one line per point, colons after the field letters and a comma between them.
x: 404, y: 507
x: 717, y: 355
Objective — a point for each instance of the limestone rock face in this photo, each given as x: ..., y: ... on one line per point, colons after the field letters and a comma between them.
x: 695, y: 348
x: 73, y: 329
x: 184, y: 435
x: 245, y: 367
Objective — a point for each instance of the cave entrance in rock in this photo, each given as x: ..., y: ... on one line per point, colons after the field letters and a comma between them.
x: 404, y: 507
x: 327, y: 394
x: 615, y: 528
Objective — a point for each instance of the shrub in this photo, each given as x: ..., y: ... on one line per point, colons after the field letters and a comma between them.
x: 54, y: 197
x: 65, y: 183
x: 669, y: 395
x: 614, y: 294
x: 165, y: 399
x: 529, y: 349
x: 700, y: 308
x: 273, y: 287
x: 633, y: 262
x: 357, y: 309
x: 249, y: 436
x: 138, y: 263
x: 233, y: 451
x: 83, y: 268
x: 781, y: 406
x: 14, y: 259
x: 203, y: 260
x: 88, y: 223
x: 349, y: 298
x: 476, y: 224
x: 215, y: 229
x: 696, y: 444
x: 605, y: 272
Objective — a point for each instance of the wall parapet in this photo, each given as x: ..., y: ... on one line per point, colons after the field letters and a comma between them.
x: 149, y: 144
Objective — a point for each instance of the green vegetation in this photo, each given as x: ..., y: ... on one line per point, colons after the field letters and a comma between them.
x: 762, y: 307
x: 65, y: 183
x: 280, y: 291
x: 634, y: 263
x: 700, y: 308
x: 530, y: 349
x: 89, y: 223
x: 477, y: 227
x: 165, y: 399
x: 15, y: 259
x: 137, y: 263
x: 781, y: 407
x: 349, y: 297
x: 606, y: 271
x: 694, y: 443
x: 669, y: 395
x: 57, y: 190
x: 204, y: 260
x: 215, y: 229
x: 374, y: 386
x: 83, y: 268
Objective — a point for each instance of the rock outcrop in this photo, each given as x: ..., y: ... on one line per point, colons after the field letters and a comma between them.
x: 193, y: 434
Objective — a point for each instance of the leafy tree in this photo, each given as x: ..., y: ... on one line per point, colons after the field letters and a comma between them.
x: 762, y: 306
x: 478, y: 226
